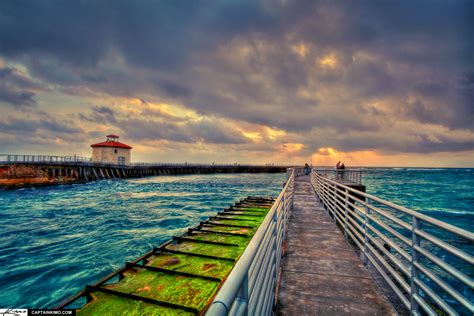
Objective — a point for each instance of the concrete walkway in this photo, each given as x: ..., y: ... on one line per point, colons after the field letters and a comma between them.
x: 322, y: 274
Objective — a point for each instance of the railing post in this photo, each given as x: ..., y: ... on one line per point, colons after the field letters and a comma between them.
x: 415, y: 241
x: 366, y: 232
x: 334, y: 200
x: 346, y: 207
x: 243, y: 294
x: 275, y: 248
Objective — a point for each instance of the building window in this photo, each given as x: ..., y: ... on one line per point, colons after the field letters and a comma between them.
x: 115, y: 150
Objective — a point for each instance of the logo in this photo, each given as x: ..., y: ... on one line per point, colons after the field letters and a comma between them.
x: 13, y: 312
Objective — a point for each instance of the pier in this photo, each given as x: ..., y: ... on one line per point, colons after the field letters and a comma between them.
x: 18, y: 171
x: 321, y: 272
x: 328, y: 248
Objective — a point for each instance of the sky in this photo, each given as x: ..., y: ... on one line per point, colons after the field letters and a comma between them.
x: 371, y: 83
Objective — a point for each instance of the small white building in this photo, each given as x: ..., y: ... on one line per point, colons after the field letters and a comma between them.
x: 111, y: 151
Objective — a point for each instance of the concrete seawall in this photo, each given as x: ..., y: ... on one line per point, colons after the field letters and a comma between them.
x: 19, y: 175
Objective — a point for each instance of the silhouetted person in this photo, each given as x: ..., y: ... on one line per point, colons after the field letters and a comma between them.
x: 338, y: 167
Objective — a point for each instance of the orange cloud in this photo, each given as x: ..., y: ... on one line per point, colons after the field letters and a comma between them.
x: 253, y: 136
x: 300, y: 49
x: 328, y: 61
x: 290, y: 148
x: 327, y: 151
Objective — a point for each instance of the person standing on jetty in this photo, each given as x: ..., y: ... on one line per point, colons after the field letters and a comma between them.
x: 338, y: 166
x: 342, y: 167
x: 306, y: 169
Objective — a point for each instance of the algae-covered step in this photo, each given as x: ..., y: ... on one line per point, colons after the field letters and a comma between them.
x: 192, y: 292
x: 242, y: 223
x: 191, y: 247
x: 215, y: 237
x: 237, y: 217
x: 243, y: 217
x: 245, y: 231
x: 183, y: 275
x: 104, y: 304
x: 191, y: 264
x: 250, y: 208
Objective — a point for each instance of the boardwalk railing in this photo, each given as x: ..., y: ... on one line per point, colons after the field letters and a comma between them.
x: 46, y: 159
x: 7, y: 158
x: 251, y: 286
x: 351, y: 175
x: 427, y: 263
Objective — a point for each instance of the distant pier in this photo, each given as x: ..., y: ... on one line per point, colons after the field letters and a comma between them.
x: 17, y: 171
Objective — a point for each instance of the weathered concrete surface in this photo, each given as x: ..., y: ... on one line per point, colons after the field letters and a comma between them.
x: 21, y: 174
x: 321, y: 273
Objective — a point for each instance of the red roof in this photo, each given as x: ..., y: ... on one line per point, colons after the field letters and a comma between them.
x: 112, y: 144
x: 112, y: 136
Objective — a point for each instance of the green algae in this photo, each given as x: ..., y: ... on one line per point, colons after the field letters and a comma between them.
x: 175, y: 289
x: 220, y: 251
x: 255, y: 209
x: 110, y: 305
x: 191, y: 264
x: 238, y: 240
x: 184, y: 290
x: 243, y: 217
x: 236, y: 222
x: 244, y: 231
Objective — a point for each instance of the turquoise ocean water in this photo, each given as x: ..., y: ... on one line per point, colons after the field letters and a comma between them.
x: 55, y: 240
x: 445, y: 194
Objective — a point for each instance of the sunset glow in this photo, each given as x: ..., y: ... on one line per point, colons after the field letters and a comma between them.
x: 328, y: 61
x: 284, y: 83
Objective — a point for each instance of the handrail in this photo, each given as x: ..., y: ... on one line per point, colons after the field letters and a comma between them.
x: 49, y: 159
x: 14, y: 158
x: 351, y: 175
x: 251, y: 286
x: 428, y: 273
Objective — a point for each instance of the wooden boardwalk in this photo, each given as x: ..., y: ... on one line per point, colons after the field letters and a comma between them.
x: 321, y: 273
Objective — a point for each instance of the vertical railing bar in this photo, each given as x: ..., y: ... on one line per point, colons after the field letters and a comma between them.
x: 366, y: 230
x: 414, y: 307
x: 346, y: 207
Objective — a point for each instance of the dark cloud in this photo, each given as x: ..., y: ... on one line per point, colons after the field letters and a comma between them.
x: 169, y: 128
x: 237, y: 60
x: 191, y: 132
x: 16, y: 88
x: 28, y: 127
x: 17, y: 98
x: 100, y: 114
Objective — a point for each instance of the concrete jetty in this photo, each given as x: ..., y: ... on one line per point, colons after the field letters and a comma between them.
x: 27, y: 171
x: 321, y: 273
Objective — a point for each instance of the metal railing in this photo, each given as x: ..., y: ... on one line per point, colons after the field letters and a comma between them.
x: 426, y: 262
x: 48, y: 159
x: 344, y: 175
x: 251, y: 286
x: 7, y: 158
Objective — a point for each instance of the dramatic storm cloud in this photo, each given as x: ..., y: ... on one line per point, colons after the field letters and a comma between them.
x: 372, y: 82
